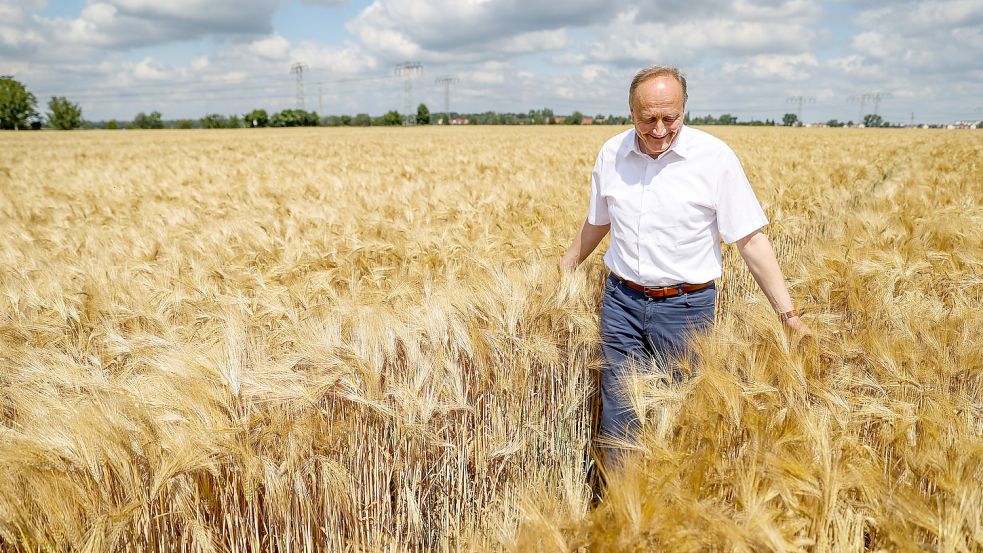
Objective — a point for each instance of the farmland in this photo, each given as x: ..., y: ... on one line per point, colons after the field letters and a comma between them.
x: 355, y: 339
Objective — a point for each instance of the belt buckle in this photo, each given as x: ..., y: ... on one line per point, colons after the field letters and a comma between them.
x: 655, y: 292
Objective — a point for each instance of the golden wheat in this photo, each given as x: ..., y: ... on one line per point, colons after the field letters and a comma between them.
x: 356, y: 339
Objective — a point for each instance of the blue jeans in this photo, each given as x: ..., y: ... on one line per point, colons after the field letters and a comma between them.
x: 636, y: 327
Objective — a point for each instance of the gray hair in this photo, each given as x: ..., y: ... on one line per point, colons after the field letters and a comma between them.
x: 653, y: 72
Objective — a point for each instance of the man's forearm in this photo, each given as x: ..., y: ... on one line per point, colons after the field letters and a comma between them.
x: 585, y: 242
x: 761, y: 261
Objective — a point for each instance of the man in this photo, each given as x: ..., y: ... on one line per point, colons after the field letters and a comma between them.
x: 667, y: 193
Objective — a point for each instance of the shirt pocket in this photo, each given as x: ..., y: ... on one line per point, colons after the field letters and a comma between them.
x: 677, y: 238
x: 689, y: 243
x: 666, y: 238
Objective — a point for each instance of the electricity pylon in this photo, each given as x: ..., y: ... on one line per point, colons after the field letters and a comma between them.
x: 408, y: 70
x: 298, y: 69
x: 800, y: 100
x: 447, y: 81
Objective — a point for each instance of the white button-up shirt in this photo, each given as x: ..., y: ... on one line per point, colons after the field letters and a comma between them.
x: 668, y: 214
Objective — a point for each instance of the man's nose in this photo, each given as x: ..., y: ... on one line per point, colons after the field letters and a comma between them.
x: 660, y: 128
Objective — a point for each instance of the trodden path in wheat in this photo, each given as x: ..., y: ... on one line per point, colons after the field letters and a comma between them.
x: 357, y: 339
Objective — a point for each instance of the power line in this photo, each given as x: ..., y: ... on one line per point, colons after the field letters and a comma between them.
x: 447, y: 81
x: 408, y: 70
x: 800, y: 100
x: 356, y: 79
x: 298, y: 69
x: 862, y: 99
x: 136, y: 90
x: 195, y: 87
x: 876, y: 97
x: 196, y: 93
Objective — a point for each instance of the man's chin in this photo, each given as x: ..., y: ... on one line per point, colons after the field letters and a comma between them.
x: 658, y: 147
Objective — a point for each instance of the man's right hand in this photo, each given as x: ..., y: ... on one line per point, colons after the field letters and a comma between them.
x: 569, y: 263
x: 587, y: 238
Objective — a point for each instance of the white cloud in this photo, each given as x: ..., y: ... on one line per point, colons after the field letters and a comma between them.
x: 782, y: 11
x: 924, y: 16
x: 873, y: 44
x: 569, y: 58
x: 123, y: 24
x: 921, y: 38
x: 535, y: 41
x: 199, y: 63
x: 629, y: 40
x: 443, y: 29
x: 851, y: 64
x: 273, y: 47
x: 594, y: 73
x: 148, y: 70
x: 797, y: 67
x: 16, y: 32
x: 350, y: 60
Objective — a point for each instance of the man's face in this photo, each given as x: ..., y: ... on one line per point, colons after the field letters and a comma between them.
x: 657, y: 113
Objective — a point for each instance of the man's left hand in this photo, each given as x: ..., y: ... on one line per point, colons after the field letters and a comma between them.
x: 798, y: 326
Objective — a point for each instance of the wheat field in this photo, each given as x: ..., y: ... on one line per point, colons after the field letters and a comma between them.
x: 359, y: 340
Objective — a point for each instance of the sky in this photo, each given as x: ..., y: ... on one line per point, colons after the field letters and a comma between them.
x: 749, y: 58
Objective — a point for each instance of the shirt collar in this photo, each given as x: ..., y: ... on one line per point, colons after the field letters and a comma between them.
x: 678, y: 145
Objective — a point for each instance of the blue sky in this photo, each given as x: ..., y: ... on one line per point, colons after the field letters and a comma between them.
x: 188, y: 58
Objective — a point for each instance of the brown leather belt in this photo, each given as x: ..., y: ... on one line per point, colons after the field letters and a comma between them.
x: 664, y: 291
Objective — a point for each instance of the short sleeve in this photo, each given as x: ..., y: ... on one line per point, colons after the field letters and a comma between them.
x: 738, y: 211
x: 597, y: 213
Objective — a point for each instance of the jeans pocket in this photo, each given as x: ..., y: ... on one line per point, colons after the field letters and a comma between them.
x: 609, y: 284
x: 702, y: 299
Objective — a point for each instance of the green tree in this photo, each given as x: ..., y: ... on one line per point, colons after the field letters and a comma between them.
x: 145, y: 121
x: 574, y: 118
x: 112, y: 125
x: 727, y: 119
x: 184, y: 124
x: 214, y: 121
x: 392, y: 118
x: 257, y: 118
x: 790, y: 120
x: 872, y: 120
x: 18, y: 106
x: 422, y: 115
x: 64, y: 115
x: 295, y: 118
x: 834, y: 123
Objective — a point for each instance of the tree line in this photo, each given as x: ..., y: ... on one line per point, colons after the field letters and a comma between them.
x: 18, y: 110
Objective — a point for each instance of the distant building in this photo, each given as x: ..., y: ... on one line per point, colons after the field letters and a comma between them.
x: 964, y: 125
